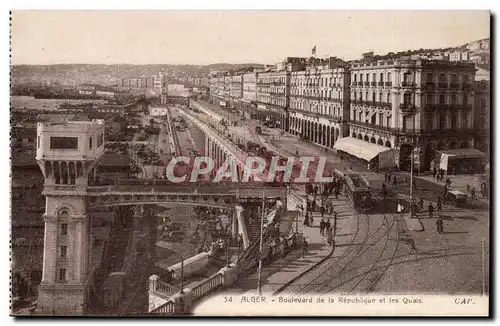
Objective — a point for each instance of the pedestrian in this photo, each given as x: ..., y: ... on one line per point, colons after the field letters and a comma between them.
x: 431, y: 210
x: 400, y: 208
x: 306, y: 219
x: 305, y: 247
x: 313, y: 205
x: 394, y: 182
x: 473, y: 193
x: 434, y: 172
x: 439, y: 224
x: 322, y: 211
x: 322, y: 227
x: 337, y: 190
x: 440, y: 204
x: 421, y: 203
x: 328, y: 226
x: 468, y: 189
x: 331, y: 242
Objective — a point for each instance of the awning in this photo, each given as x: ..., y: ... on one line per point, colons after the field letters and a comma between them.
x: 360, y: 148
x: 458, y: 153
x: 463, y: 152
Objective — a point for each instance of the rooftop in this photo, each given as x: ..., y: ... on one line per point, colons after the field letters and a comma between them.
x: 114, y: 160
x: 22, y: 132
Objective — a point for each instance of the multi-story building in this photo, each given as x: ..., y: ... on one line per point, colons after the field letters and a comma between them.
x: 227, y: 89
x: 413, y: 105
x: 272, y: 97
x: 482, y: 115
x: 217, y: 89
x: 319, y: 101
x: 459, y: 56
x: 405, y: 106
x: 136, y: 82
x: 249, y: 93
x: 159, y: 82
x: 236, y: 90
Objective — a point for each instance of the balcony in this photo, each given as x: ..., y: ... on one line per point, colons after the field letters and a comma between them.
x: 408, y: 84
x: 339, y: 85
x: 429, y: 86
x: 380, y: 83
x: 443, y: 85
x: 388, y: 84
x: 454, y: 85
x: 367, y: 83
x: 360, y: 83
x: 407, y: 108
x: 397, y: 131
x: 373, y: 83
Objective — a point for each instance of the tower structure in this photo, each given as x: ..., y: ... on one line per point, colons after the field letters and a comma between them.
x: 67, y: 154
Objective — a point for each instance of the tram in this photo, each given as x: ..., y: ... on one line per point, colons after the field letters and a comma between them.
x: 358, y: 190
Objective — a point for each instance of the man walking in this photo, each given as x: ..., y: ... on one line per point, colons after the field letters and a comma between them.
x: 439, y: 224
x: 306, y: 218
x: 400, y: 208
x: 431, y: 210
x: 305, y: 247
x: 440, y: 204
x: 328, y: 227
x: 322, y: 227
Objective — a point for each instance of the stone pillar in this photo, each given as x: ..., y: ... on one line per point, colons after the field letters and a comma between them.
x: 68, y: 295
x: 153, y: 280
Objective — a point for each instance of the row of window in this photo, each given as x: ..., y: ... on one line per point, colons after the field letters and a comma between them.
x: 430, y: 98
x: 321, y: 82
x: 322, y: 93
x: 436, y: 120
x: 63, y: 250
x: 374, y: 77
x: 408, y: 77
x: 315, y: 108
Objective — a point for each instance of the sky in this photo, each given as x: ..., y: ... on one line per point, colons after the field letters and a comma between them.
x: 205, y: 37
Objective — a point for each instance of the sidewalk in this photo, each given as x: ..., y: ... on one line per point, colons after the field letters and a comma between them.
x: 283, y: 271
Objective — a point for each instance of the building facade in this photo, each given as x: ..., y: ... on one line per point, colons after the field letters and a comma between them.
x: 413, y: 106
x: 407, y: 105
x: 236, y: 91
x: 272, y: 98
x: 319, y: 102
x: 482, y: 115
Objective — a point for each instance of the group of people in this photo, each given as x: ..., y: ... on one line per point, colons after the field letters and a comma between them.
x: 415, y: 208
x: 438, y: 174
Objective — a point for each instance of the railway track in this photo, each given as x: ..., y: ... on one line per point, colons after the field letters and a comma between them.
x: 173, y: 134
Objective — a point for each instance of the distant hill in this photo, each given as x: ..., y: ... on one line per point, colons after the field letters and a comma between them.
x: 74, y: 74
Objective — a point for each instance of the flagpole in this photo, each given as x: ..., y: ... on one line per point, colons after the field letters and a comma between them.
x: 259, y: 285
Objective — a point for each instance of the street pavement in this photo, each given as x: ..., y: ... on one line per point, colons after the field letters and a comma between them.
x: 377, y: 252
x: 279, y: 273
